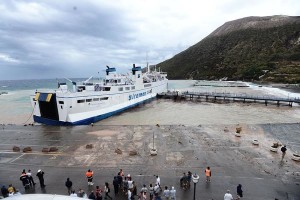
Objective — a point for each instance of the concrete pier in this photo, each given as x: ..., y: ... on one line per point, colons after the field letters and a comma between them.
x: 180, y: 149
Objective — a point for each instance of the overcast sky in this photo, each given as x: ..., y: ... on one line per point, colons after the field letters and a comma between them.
x: 72, y: 38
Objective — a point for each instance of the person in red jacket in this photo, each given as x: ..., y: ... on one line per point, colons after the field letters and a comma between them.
x: 89, y: 175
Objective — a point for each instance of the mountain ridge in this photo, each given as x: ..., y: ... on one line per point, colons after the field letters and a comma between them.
x: 251, y: 48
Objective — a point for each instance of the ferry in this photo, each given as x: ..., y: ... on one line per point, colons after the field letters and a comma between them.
x: 89, y: 102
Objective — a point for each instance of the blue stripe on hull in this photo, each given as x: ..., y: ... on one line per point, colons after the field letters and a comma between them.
x: 84, y: 121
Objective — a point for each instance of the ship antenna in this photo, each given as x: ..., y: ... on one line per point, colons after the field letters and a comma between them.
x: 148, y: 69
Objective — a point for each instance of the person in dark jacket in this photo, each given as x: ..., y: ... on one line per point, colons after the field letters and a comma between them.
x: 120, y: 180
x: 92, y: 195
x: 4, y: 191
x: 239, y: 191
x: 40, y: 175
x: 283, y: 150
x: 116, y: 185
x: 25, y: 180
x: 69, y: 184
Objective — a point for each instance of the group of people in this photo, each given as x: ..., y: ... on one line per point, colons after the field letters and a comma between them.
x: 239, y: 192
x: 10, y: 191
x: 123, y: 185
x: 27, y: 181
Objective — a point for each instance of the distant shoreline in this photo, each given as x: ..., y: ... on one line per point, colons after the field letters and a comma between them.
x: 295, y: 88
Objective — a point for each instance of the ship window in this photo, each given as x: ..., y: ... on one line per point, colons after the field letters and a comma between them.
x: 116, y: 81
x: 147, y: 85
x: 81, y: 101
x: 119, y: 80
x: 127, y: 88
x: 120, y: 88
x: 103, y: 98
x: 80, y: 88
x: 95, y: 99
x: 61, y: 102
x: 88, y: 100
x: 133, y: 87
x: 106, y: 88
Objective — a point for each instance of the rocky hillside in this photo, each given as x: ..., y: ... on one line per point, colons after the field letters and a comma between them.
x: 251, y: 48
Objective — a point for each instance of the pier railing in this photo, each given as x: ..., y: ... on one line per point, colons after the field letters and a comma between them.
x: 228, y: 96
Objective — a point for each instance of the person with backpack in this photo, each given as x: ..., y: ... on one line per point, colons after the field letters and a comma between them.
x: 25, y: 180
x: 107, y: 190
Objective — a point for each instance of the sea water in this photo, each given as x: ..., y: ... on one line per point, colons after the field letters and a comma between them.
x: 16, y: 108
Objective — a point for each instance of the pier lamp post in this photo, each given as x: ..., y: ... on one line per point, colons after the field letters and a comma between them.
x: 195, y: 178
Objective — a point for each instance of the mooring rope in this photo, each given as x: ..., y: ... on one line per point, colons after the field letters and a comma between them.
x: 30, y: 115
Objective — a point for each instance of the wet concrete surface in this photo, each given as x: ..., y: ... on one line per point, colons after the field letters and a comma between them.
x: 180, y: 148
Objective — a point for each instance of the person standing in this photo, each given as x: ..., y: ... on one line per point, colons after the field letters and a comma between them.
x: 40, y: 175
x: 116, y: 185
x: 98, y: 193
x: 158, y: 181
x: 239, y: 191
x: 173, y: 193
x: 208, y: 174
x: 4, y: 191
x: 156, y: 190
x: 130, y: 183
x: 69, y: 184
x: 25, y: 180
x: 167, y: 193
x: 92, y: 195
x: 89, y: 175
x: 151, y: 191
x: 107, y: 190
x: 283, y: 150
x: 31, y: 181
x: 228, y: 196
x: 120, y: 180
x: 144, y: 189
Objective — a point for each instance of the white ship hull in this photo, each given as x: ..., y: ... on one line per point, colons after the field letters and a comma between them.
x: 90, y: 106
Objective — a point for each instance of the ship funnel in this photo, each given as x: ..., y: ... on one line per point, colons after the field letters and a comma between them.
x: 135, y: 69
x: 108, y: 70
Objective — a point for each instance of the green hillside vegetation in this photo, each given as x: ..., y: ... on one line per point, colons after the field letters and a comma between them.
x: 265, y: 54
